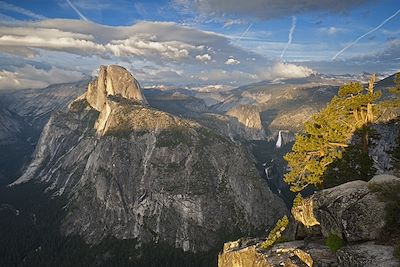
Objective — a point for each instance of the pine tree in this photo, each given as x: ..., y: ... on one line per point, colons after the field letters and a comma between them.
x: 396, y: 91
x: 396, y: 88
x: 328, y: 134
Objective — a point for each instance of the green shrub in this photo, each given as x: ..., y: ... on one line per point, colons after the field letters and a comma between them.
x: 334, y: 242
x: 276, y: 234
x: 298, y: 200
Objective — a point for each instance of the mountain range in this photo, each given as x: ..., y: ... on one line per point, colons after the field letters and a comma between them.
x: 185, y: 168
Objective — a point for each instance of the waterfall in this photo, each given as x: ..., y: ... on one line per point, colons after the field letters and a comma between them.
x: 279, y: 142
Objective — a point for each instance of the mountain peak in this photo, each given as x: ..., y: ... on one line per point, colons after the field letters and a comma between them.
x: 105, y: 92
x: 113, y: 80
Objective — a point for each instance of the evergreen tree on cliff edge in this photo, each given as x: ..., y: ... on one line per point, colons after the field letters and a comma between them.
x: 328, y: 133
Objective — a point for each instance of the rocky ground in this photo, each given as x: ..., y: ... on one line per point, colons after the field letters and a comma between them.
x: 353, y: 211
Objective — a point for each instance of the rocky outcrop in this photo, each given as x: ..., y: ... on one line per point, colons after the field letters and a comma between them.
x: 148, y: 175
x: 304, y: 213
x: 290, y: 254
x: 337, y: 209
x: 302, y: 253
x: 351, y: 211
x: 381, y: 148
x: 246, y: 121
x: 114, y: 82
x: 293, y: 119
x: 367, y: 254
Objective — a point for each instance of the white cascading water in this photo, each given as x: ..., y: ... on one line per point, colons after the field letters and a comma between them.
x: 279, y: 142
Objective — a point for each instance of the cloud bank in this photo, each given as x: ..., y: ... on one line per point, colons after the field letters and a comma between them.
x: 155, y: 51
x: 31, y: 77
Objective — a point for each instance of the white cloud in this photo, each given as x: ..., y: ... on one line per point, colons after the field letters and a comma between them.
x: 62, y: 44
x: 144, y: 45
x: 232, y: 61
x: 31, y: 77
x: 224, y: 76
x: 265, y: 9
x: 230, y: 22
x: 331, y: 30
x: 203, y: 58
x: 281, y: 70
x: 151, y: 40
x: 165, y: 46
x: 148, y: 46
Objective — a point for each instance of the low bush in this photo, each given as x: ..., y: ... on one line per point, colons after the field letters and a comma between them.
x: 275, y: 235
x: 334, y: 242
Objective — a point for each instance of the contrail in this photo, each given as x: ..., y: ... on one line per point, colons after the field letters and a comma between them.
x: 77, y: 11
x: 365, y: 34
x: 290, y: 36
x: 243, y: 34
x: 20, y: 10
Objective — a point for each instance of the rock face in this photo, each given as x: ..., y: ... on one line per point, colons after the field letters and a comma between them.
x: 380, y: 149
x: 130, y: 171
x: 300, y: 253
x: 23, y: 114
x: 247, y: 122
x: 305, y: 213
x: 349, y: 210
x: 289, y: 254
x: 113, y: 80
x: 367, y: 255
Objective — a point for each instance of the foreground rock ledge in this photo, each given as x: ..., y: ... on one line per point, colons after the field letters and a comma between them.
x: 295, y: 253
x: 306, y: 254
x: 351, y: 211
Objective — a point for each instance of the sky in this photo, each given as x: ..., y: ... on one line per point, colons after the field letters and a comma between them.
x: 195, y: 42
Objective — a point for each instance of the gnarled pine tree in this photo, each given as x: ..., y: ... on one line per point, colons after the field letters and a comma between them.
x: 329, y: 132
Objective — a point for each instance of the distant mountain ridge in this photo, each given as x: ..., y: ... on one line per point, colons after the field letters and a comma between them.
x: 23, y: 115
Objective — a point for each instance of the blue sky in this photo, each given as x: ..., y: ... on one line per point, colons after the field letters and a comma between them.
x: 184, y: 42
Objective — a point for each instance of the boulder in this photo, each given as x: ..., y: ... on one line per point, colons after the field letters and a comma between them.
x: 350, y: 210
x: 367, y: 254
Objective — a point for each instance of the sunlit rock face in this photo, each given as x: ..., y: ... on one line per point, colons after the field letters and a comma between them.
x: 130, y: 171
x: 113, y: 83
x: 113, y: 80
x: 246, y: 121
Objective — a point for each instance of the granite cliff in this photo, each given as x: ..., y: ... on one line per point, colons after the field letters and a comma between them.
x: 353, y: 214
x: 23, y: 114
x: 130, y: 171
